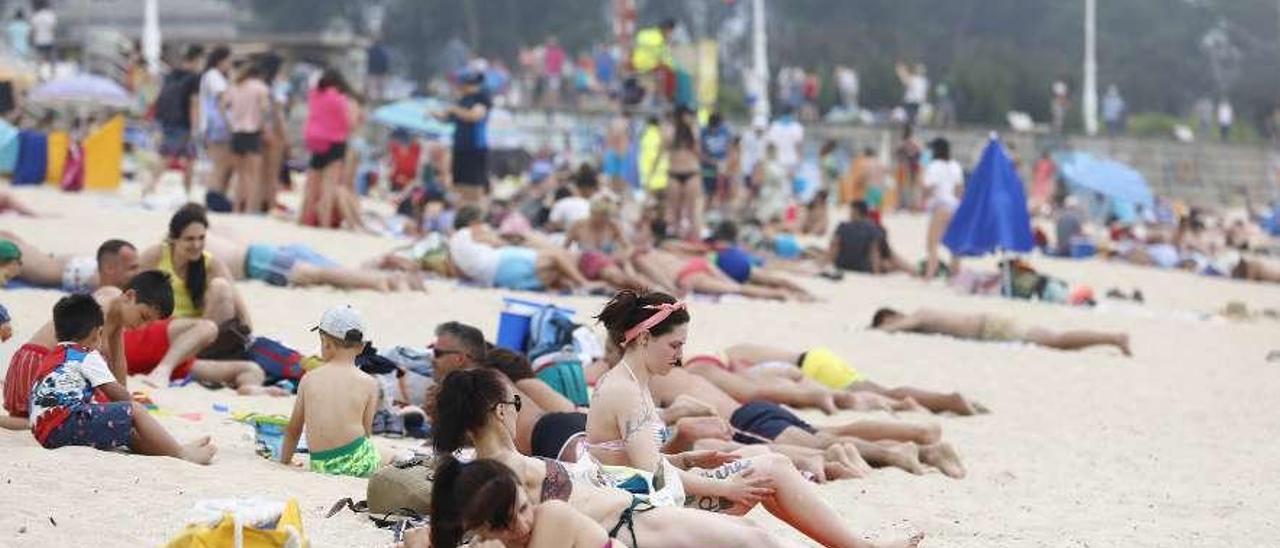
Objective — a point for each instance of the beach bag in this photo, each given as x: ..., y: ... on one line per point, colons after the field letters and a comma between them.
x: 246, y: 523
x: 232, y: 342
x: 73, y: 170
x: 397, y: 496
x: 278, y: 361
x: 550, y: 330
x: 563, y: 373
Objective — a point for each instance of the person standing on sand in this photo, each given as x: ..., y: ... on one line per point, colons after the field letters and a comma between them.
x: 247, y: 104
x: 470, y: 117
x: 989, y: 328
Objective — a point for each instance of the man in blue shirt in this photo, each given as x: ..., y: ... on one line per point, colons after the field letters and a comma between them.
x: 470, y: 117
x: 715, y: 149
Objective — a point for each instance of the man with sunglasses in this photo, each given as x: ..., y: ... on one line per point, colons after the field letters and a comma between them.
x: 457, y: 346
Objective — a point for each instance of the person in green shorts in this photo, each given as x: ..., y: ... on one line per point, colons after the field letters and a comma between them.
x: 336, y: 402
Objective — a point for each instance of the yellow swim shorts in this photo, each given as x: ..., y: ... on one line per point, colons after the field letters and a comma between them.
x: 824, y: 366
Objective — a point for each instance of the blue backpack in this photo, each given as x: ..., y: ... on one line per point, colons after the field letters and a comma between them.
x: 550, y: 330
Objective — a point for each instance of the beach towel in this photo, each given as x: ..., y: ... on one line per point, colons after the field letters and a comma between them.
x: 243, y: 523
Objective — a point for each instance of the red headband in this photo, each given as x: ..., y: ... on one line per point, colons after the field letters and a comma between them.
x: 664, y: 311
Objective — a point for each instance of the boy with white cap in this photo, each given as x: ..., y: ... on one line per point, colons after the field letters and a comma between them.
x: 336, y: 402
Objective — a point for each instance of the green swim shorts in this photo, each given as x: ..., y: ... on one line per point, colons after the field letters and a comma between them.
x: 358, y: 458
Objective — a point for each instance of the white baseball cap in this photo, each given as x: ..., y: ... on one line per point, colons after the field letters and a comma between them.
x: 342, y: 322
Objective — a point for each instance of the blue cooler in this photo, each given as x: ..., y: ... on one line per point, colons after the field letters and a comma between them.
x: 514, y: 322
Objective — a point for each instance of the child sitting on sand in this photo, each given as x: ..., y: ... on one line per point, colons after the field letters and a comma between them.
x: 80, y: 400
x: 336, y: 402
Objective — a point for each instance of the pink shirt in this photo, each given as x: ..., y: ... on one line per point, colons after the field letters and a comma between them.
x: 327, y: 121
x: 554, y: 60
x: 247, y: 103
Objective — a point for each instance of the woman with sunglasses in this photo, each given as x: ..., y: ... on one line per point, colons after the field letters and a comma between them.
x: 477, y: 408
x: 623, y: 429
x: 483, y: 498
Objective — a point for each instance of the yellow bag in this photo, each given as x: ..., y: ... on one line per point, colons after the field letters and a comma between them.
x: 236, y: 527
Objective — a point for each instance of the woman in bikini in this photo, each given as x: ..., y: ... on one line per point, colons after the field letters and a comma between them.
x: 478, y: 408
x: 684, y: 190
x: 623, y: 429
x: 484, y: 498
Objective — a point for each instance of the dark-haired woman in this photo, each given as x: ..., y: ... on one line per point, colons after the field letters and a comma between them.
x: 483, y: 498
x: 215, y: 132
x: 478, y: 408
x: 247, y: 103
x: 202, y: 288
x: 684, y: 175
x: 624, y: 429
x: 328, y: 126
x: 943, y: 185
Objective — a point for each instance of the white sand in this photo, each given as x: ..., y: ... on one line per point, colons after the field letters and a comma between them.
x: 1173, y: 447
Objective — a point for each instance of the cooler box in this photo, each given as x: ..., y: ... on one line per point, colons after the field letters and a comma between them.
x: 515, y: 320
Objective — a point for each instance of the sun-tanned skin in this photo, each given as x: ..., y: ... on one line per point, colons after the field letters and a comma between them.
x: 970, y: 326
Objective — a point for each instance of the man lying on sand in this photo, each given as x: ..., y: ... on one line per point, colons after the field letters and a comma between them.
x: 299, y: 265
x: 336, y: 402
x: 484, y: 259
x: 66, y: 408
x: 70, y: 273
x: 989, y: 328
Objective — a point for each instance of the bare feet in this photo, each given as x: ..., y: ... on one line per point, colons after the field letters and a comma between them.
x: 846, y: 456
x: 943, y: 457
x: 903, y: 455
x: 1123, y: 343
x: 820, y: 398
x: 199, y: 451
x: 813, y: 465
x: 956, y: 403
x: 157, y: 378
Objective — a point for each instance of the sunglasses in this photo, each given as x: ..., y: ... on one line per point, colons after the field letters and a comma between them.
x: 515, y: 402
x: 441, y: 352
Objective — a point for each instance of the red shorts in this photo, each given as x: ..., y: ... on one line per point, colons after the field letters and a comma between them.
x: 21, y: 377
x: 145, y: 346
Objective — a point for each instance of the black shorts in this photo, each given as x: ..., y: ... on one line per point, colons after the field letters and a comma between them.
x: 553, y: 431
x: 336, y: 153
x: 471, y: 168
x: 762, y: 419
x: 246, y: 142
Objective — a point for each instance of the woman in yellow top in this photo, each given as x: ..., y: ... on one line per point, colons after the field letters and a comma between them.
x: 202, y: 285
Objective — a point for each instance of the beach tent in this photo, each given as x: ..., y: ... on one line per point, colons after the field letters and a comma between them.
x: 8, y: 147
x: 33, y: 158
x: 104, y: 156
x: 1119, y: 182
x: 59, y: 142
x: 993, y: 214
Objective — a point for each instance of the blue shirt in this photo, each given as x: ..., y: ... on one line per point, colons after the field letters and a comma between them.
x: 715, y: 141
x: 472, y: 135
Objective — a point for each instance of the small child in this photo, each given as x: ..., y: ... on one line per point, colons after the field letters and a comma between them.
x: 336, y: 402
x: 78, y: 400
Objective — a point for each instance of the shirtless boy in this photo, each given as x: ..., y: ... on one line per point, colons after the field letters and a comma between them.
x: 986, y: 327
x: 336, y: 402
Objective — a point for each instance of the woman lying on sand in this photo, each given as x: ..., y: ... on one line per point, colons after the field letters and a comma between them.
x: 478, y: 408
x: 989, y: 328
x: 815, y: 378
x: 623, y: 429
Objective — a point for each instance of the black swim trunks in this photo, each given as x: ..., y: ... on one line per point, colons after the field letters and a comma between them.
x: 762, y: 419
x: 554, y: 430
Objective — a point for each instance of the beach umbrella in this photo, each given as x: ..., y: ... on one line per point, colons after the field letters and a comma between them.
x: 84, y: 90
x: 992, y: 217
x: 1106, y: 177
x: 414, y: 115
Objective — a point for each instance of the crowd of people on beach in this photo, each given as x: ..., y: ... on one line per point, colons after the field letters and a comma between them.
x: 667, y: 449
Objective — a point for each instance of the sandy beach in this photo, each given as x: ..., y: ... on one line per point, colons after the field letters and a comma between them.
x: 1174, y: 447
